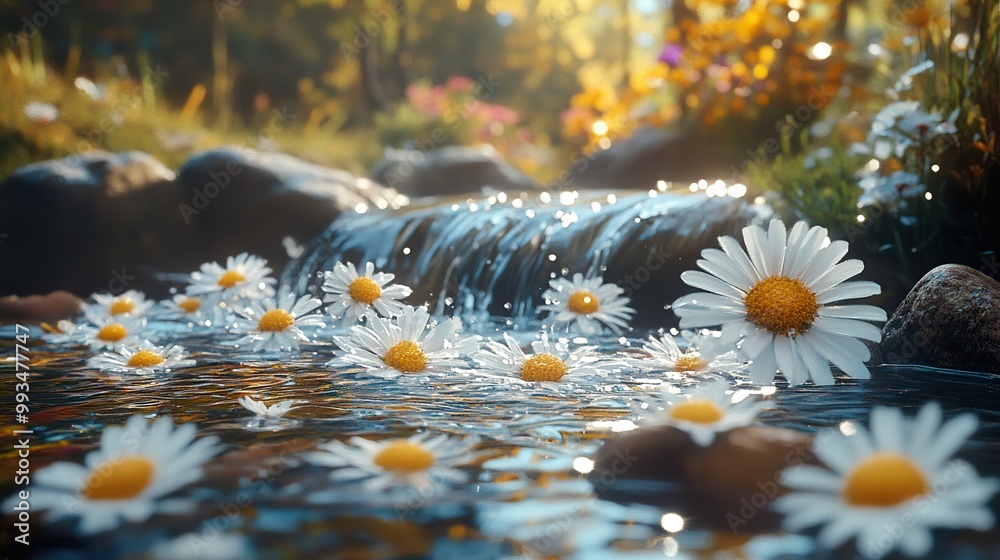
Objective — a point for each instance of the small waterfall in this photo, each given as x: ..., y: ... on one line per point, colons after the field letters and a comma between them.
x: 495, y: 256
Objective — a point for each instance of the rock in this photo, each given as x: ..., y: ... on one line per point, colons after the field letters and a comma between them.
x: 50, y: 307
x: 92, y: 222
x: 650, y: 155
x: 449, y: 170
x: 245, y: 200
x: 727, y: 485
x: 950, y: 319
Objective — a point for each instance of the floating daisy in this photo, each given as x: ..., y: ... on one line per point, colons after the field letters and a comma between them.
x: 144, y: 359
x: 589, y: 303
x: 111, y: 333
x: 779, y: 297
x: 706, y: 412
x: 406, y: 344
x: 705, y: 354
x: 891, y: 486
x: 424, y: 462
x: 353, y: 295
x: 129, y: 304
x: 137, y: 464
x: 548, y: 361
x: 262, y: 410
x: 64, y: 332
x: 273, y: 326
x: 244, y: 277
x: 192, y: 309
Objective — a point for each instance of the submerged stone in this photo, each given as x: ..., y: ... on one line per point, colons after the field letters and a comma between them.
x: 950, y: 319
x: 728, y: 485
x: 50, y: 307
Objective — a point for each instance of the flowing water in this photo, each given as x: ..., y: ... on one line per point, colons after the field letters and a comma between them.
x: 528, y: 496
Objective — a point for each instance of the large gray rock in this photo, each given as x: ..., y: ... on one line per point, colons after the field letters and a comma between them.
x: 650, y: 155
x: 246, y: 200
x: 449, y: 170
x: 950, y: 319
x: 91, y: 222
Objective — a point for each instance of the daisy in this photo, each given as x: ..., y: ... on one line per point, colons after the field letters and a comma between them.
x: 64, y: 332
x: 244, y: 277
x: 780, y: 298
x: 705, y: 354
x: 705, y: 412
x: 890, y: 190
x: 262, y: 410
x: 424, y: 462
x: 192, y: 309
x: 889, y: 487
x: 144, y: 359
x: 353, y: 295
x: 406, y: 344
x: 111, y: 333
x: 273, y: 326
x: 548, y: 362
x: 590, y: 303
x: 136, y: 464
x: 130, y: 304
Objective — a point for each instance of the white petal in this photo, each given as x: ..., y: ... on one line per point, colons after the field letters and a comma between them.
x: 862, y: 312
x: 848, y: 290
x: 849, y: 328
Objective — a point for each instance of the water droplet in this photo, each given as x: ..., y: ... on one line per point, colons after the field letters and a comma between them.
x: 793, y: 333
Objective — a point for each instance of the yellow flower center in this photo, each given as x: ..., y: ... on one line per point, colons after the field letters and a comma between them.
x: 364, y: 290
x: 49, y: 328
x: 406, y: 356
x: 112, y: 333
x: 275, y: 320
x: 699, y: 410
x: 884, y: 480
x: 119, y: 479
x: 145, y: 358
x: 689, y: 362
x: 583, y: 302
x: 231, y: 278
x: 404, y: 456
x: 543, y: 367
x: 781, y: 305
x: 190, y: 305
x: 121, y: 306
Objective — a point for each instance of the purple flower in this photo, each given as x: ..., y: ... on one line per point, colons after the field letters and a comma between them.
x: 671, y: 54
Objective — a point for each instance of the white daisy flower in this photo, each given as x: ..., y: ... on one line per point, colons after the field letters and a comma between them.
x: 548, y: 362
x: 406, y: 344
x: 891, y: 486
x: 41, y: 112
x: 891, y: 190
x: 111, y: 333
x: 192, y: 309
x: 244, y: 277
x: 590, y: 303
x: 137, y: 464
x: 424, y: 462
x: 273, y: 326
x: 145, y: 359
x: 780, y: 298
x: 64, y: 332
x: 353, y: 295
x: 704, y: 354
x: 129, y: 304
x: 707, y: 411
x: 262, y: 410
